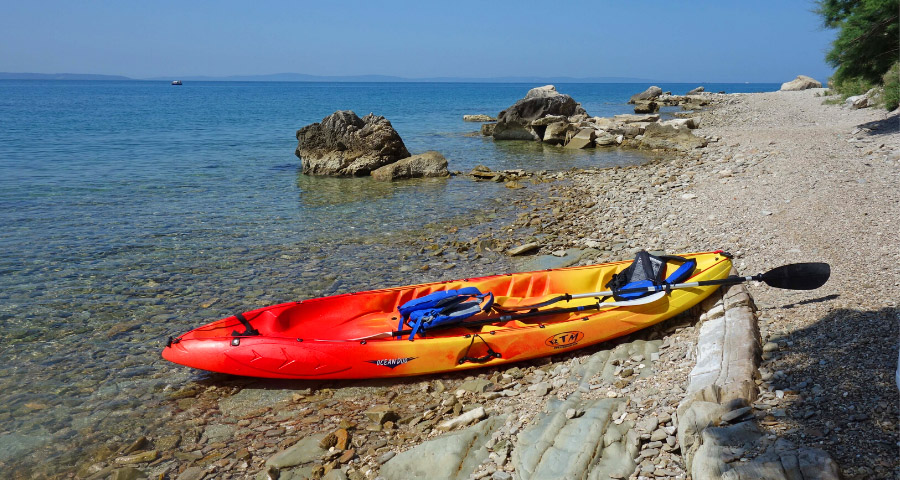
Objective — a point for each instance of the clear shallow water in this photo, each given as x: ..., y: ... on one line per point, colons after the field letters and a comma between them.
x: 135, y: 210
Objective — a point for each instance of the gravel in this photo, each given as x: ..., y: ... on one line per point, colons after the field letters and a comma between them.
x: 787, y: 179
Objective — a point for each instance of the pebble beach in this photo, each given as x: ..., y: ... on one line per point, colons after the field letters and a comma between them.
x: 784, y: 178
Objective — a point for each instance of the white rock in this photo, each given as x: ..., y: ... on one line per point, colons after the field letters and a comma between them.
x: 464, y: 419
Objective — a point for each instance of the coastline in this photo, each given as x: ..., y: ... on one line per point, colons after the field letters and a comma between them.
x: 701, y: 200
x: 789, y: 180
x: 221, y: 425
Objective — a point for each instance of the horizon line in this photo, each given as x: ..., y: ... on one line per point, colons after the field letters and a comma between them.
x: 288, y: 77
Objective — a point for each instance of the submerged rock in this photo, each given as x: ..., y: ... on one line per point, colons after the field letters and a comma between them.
x: 428, y: 164
x: 343, y: 144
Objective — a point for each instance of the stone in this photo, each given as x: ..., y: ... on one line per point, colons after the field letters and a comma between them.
x: 645, y: 106
x: 386, y: 457
x: 629, y: 118
x: 335, y: 474
x: 648, y: 94
x: 478, y: 118
x: 682, y: 123
x: 523, y: 249
x: 465, y: 419
x: 583, y: 139
x: 343, y: 144
x: 192, y: 473
x: 667, y: 137
x: 542, y: 92
x: 477, y: 385
x: 604, y: 139
x: 541, y: 389
x: 817, y: 464
x: 549, y: 119
x: 555, y: 133
x: 454, y: 455
x: 304, y: 451
x: 515, y: 123
x: 802, y: 82
x: 553, y: 446
x: 647, y: 424
x: 736, y: 414
x: 695, y: 91
x: 857, y: 101
x: 379, y: 414
x: 128, y: 473
x: 487, y: 129
x: 423, y: 165
x: 140, y: 457
x: 501, y: 475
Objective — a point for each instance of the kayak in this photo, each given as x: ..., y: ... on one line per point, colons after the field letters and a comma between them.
x: 353, y: 335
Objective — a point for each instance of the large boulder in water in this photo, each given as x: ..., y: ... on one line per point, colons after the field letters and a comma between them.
x: 648, y: 94
x: 515, y: 123
x: 428, y: 164
x: 343, y: 144
x: 802, y: 82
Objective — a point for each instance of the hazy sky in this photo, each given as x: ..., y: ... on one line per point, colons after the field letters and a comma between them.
x: 724, y: 41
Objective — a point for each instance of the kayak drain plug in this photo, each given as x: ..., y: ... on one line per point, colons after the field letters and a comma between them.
x: 235, y: 342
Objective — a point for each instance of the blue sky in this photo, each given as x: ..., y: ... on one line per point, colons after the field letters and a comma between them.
x: 700, y: 41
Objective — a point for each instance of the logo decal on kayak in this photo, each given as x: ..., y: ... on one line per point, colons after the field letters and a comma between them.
x: 391, y: 362
x: 565, y: 339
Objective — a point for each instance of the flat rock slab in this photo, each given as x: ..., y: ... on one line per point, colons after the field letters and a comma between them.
x: 594, y: 445
x: 454, y: 455
x: 589, y: 446
x: 251, y: 400
x: 721, y: 386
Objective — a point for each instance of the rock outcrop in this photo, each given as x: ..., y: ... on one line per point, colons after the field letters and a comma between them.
x: 716, y: 422
x: 478, y: 118
x: 428, y: 164
x: 515, y: 123
x: 343, y: 144
x: 670, y: 137
x: 580, y: 131
x: 802, y: 82
x: 648, y: 94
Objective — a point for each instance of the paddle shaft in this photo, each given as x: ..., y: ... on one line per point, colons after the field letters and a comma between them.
x: 732, y: 280
x: 518, y: 316
x: 507, y: 318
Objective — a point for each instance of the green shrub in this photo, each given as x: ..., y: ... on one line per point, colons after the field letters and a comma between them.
x: 850, y: 87
x: 891, y: 81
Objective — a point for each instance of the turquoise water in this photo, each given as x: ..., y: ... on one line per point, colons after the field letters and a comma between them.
x: 135, y: 210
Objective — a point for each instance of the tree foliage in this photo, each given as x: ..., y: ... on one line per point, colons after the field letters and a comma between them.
x: 868, y: 41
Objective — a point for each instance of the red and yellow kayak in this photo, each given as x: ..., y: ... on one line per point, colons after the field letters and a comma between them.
x: 342, y: 336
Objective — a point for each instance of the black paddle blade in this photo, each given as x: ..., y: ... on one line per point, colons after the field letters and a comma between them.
x: 798, y: 276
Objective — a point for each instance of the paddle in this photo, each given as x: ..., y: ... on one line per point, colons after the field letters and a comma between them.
x: 795, y: 276
x: 506, y: 318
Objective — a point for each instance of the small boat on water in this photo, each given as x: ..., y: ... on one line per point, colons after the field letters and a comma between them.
x: 353, y: 335
x: 176, y: 82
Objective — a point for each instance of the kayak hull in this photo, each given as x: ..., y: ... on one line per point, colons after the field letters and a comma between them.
x: 347, y: 336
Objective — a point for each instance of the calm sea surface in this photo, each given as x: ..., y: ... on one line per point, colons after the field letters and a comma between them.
x: 135, y: 210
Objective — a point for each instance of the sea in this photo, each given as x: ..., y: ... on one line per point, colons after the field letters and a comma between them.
x: 135, y: 210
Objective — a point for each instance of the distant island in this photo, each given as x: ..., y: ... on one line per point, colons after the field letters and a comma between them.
x: 59, y: 76
x: 302, y: 77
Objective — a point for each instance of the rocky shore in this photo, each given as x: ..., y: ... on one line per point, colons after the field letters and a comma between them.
x: 783, y: 178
